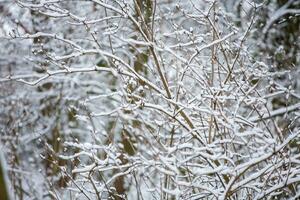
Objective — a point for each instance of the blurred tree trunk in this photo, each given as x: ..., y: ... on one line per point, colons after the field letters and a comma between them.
x: 4, y: 195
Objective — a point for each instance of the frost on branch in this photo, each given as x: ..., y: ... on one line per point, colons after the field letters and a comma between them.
x: 146, y: 99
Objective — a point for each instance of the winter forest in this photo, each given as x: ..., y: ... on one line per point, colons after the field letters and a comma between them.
x: 149, y: 99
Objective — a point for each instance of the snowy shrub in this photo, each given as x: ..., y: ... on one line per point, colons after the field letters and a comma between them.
x: 146, y: 99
